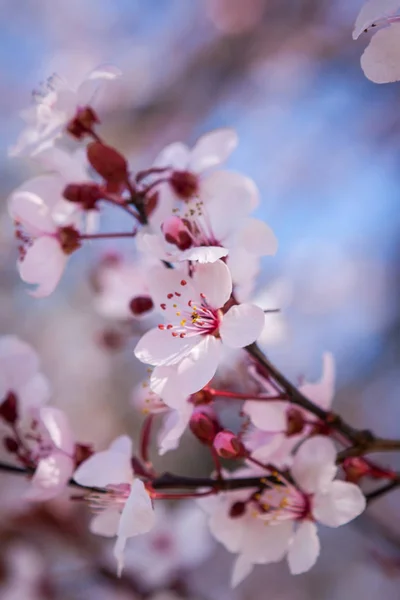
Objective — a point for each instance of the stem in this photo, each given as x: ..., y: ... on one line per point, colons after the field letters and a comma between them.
x: 235, y: 396
x: 106, y: 236
x: 170, y: 481
x: 383, y: 490
x: 122, y: 205
x: 145, y: 436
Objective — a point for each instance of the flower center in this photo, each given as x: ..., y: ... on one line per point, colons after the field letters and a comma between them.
x: 185, y: 184
x: 191, y: 319
x: 115, y: 498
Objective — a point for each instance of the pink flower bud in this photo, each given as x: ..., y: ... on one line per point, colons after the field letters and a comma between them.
x: 228, y: 445
x: 140, y: 305
x: 176, y: 232
x: 9, y: 408
x: 204, y: 427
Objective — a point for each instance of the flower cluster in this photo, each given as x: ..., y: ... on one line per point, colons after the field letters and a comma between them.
x: 198, y: 248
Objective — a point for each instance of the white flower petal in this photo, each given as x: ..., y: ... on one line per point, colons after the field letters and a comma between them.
x: 161, y: 348
x: 106, y: 523
x: 109, y: 467
x: 314, y: 464
x: 43, y: 265
x: 172, y: 429
x: 204, y: 254
x: 214, y: 281
x: 212, y: 149
x: 256, y: 237
x: 199, y: 367
x: 19, y: 363
x: 242, y: 325
x: 304, y: 549
x: 241, y: 569
x: 33, y: 394
x: 322, y: 392
x: 163, y: 282
x: 267, y: 416
x: 58, y: 427
x: 373, y: 11
x: 381, y: 59
x: 92, y: 84
x: 340, y: 503
x: 176, y: 156
x: 264, y: 542
x: 51, y: 477
x: 122, y: 444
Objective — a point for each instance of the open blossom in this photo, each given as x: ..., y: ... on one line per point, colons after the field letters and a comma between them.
x: 264, y: 526
x: 46, y: 230
x: 381, y: 59
x: 56, y: 107
x: 125, y: 509
x: 39, y: 436
x: 180, y: 540
x: 186, y: 349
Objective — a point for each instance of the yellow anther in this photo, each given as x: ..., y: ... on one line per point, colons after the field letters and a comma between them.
x: 178, y: 314
x: 183, y: 322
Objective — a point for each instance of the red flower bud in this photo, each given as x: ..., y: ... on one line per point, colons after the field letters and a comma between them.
x: 228, y: 445
x: 237, y: 510
x: 140, y: 305
x: 176, y: 232
x: 85, y: 194
x: 108, y: 163
x: 204, y: 427
x: 9, y: 408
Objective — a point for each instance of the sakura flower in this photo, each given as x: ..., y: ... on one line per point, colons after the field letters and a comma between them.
x: 46, y: 230
x: 121, y: 288
x: 187, y: 349
x: 289, y: 423
x: 59, y: 106
x: 381, y: 59
x: 180, y: 540
x: 125, y: 509
x: 264, y: 526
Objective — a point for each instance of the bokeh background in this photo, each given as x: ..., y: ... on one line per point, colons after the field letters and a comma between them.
x: 322, y: 144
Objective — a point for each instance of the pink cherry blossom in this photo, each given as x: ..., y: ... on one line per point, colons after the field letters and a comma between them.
x: 265, y: 526
x: 381, y: 59
x: 55, y: 106
x: 125, y: 510
x: 187, y: 349
x: 46, y: 230
x: 180, y: 540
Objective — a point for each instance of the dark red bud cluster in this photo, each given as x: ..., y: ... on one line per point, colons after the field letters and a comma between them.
x: 83, y: 122
x: 9, y: 408
x: 86, y: 195
x: 109, y: 164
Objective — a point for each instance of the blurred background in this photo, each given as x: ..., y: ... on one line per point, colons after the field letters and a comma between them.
x: 322, y: 143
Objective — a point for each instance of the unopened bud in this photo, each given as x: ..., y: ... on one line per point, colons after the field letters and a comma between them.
x: 85, y: 194
x: 108, y: 163
x: 204, y: 427
x: 228, y: 445
x: 355, y: 468
x: 176, y: 232
x: 237, y: 510
x: 10, y: 444
x: 185, y: 184
x: 140, y: 305
x: 202, y: 397
x: 294, y: 422
x: 9, y: 408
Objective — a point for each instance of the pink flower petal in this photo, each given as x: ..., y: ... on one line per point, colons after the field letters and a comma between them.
x: 163, y: 282
x: 338, y: 504
x: 256, y: 237
x: 304, y: 549
x: 109, y: 467
x: 106, y: 523
x: 212, y: 149
x: 314, y: 464
x: 172, y: 429
x: 214, y: 281
x: 373, y: 11
x: 93, y: 83
x: 267, y: 416
x: 51, y: 477
x: 204, y: 254
x: 19, y: 363
x: 241, y: 569
x: 43, y: 265
x: 322, y: 392
x: 58, y: 427
x: 161, y: 348
x: 381, y: 59
x: 242, y: 325
x: 176, y: 156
